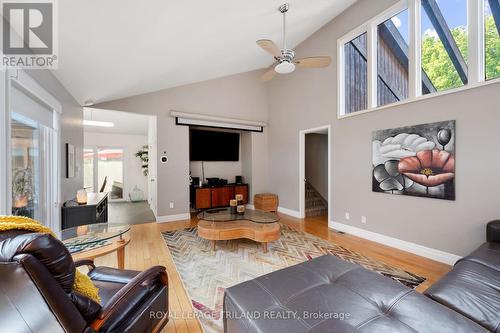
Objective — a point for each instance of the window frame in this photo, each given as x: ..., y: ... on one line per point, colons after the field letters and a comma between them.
x: 476, y: 55
x: 22, y: 80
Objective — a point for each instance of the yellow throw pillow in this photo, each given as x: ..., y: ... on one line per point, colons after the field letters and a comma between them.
x: 83, y: 284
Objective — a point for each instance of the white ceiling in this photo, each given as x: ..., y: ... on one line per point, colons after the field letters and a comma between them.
x: 125, y: 122
x: 118, y: 48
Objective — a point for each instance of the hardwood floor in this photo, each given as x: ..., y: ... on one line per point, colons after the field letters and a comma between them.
x: 147, y: 248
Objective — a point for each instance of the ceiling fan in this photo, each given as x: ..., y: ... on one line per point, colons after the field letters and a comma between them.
x: 285, y: 58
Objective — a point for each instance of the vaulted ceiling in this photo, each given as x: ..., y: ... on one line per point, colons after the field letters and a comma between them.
x: 118, y: 48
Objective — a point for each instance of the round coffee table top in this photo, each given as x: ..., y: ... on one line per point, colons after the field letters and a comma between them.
x: 92, y: 236
x: 224, y: 215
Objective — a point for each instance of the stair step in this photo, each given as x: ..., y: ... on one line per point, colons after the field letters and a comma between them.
x: 316, y: 208
x: 314, y: 199
x: 317, y: 212
x: 315, y: 204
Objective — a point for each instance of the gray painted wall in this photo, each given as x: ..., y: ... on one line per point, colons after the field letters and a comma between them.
x: 307, y: 99
x: 238, y: 96
x: 316, y: 162
x: 71, y: 130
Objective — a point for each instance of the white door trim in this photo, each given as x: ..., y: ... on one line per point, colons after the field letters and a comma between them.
x: 302, y: 167
x: 153, y: 164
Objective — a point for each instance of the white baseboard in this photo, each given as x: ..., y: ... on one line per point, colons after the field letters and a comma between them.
x: 437, y: 255
x: 290, y: 212
x: 172, y: 218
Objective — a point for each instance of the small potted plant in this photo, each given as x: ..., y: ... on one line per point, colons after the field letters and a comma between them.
x: 23, y: 189
x: 142, y: 154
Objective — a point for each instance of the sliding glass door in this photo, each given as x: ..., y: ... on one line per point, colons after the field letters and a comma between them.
x: 26, y: 167
x: 33, y: 150
x: 103, y: 170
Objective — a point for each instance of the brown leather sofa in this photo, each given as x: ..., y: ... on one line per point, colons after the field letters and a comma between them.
x: 36, y: 278
x: 331, y: 295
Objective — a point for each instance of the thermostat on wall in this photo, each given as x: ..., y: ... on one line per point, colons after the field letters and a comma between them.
x: 164, y: 158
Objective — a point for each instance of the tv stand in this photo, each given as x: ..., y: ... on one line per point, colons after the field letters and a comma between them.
x: 207, y: 197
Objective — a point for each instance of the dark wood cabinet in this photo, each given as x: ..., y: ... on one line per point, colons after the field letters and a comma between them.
x: 203, y: 198
x: 222, y: 195
x: 217, y: 196
x: 242, y: 189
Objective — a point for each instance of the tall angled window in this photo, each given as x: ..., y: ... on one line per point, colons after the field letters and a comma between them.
x: 355, y: 74
x: 392, y: 59
x: 444, y: 44
x: 492, y: 38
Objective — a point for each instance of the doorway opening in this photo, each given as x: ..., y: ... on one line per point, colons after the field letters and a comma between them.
x: 315, y: 173
x: 120, y: 159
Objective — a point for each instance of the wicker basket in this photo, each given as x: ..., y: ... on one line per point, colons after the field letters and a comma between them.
x: 266, y: 201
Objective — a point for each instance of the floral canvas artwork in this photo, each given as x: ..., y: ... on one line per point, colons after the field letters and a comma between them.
x: 415, y: 160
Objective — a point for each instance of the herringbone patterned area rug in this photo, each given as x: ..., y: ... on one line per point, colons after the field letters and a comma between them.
x: 206, y: 273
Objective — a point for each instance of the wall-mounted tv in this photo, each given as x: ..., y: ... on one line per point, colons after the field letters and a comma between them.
x: 214, y: 146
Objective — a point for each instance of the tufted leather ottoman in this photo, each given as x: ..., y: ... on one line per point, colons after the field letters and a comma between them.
x: 331, y: 295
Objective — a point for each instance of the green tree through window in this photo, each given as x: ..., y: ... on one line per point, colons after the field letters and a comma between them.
x: 492, y: 49
x: 437, y: 63
x: 438, y: 66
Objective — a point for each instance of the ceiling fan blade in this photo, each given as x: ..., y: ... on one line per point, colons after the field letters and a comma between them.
x: 269, y: 46
x: 314, y: 62
x: 269, y: 74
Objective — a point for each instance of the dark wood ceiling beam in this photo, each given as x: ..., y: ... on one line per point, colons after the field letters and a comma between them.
x: 437, y: 19
x: 382, y: 75
x: 396, y: 41
x: 393, y: 37
x: 495, y: 10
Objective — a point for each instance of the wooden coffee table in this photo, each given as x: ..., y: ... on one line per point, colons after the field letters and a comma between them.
x: 96, y: 240
x: 220, y: 224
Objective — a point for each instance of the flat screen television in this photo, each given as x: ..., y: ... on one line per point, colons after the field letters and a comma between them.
x: 214, y: 146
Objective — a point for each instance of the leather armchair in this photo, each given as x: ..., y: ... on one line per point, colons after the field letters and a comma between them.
x: 493, y: 231
x: 38, y: 269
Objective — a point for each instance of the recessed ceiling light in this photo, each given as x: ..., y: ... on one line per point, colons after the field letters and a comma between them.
x: 98, y: 123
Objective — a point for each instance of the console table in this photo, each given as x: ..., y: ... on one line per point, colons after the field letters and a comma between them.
x: 94, y: 211
x: 206, y: 197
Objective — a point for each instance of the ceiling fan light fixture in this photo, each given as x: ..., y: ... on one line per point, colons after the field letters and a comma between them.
x: 284, y: 67
x: 284, y: 58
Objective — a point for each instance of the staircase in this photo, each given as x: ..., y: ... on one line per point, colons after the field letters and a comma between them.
x: 315, y: 204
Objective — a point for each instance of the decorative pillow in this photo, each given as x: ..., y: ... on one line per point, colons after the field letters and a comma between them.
x: 83, y: 284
